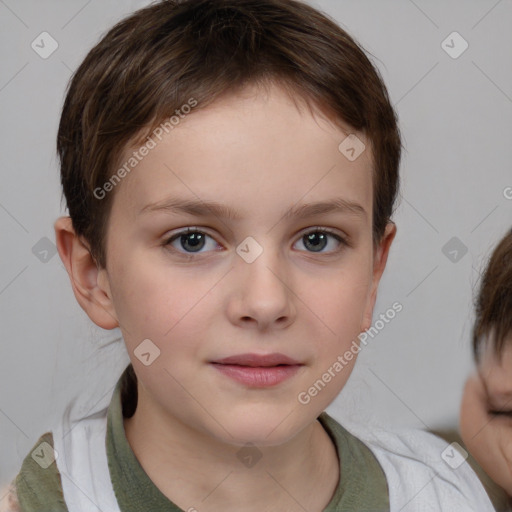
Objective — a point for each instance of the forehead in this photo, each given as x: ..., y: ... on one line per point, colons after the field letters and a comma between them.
x: 252, y: 150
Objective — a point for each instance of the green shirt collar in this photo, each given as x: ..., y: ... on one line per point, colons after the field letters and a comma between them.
x: 362, y: 485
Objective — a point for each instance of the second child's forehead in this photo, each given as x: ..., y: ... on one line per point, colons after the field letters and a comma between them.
x: 255, y: 141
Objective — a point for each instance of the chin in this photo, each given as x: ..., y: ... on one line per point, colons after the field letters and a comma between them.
x: 261, y: 428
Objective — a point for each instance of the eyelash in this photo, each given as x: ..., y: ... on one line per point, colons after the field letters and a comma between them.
x: 191, y: 255
x: 494, y: 412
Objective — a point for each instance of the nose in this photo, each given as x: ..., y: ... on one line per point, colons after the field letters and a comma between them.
x: 262, y: 295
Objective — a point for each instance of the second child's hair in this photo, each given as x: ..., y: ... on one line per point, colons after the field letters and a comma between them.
x: 178, y: 53
x: 493, y: 322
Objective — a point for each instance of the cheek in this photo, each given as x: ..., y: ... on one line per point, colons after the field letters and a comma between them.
x: 341, y: 301
x: 151, y: 301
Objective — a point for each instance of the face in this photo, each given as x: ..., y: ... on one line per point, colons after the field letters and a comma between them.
x: 486, y: 414
x: 496, y: 374
x: 248, y: 302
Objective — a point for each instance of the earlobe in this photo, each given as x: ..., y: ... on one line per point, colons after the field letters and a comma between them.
x: 91, y: 291
x: 379, y: 264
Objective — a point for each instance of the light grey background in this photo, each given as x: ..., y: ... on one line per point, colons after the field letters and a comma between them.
x: 456, y: 120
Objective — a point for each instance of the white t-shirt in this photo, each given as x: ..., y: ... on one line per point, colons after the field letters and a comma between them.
x: 424, y: 473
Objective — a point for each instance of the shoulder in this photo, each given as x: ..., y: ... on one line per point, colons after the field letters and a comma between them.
x: 497, y: 495
x: 423, y: 468
x: 37, y: 486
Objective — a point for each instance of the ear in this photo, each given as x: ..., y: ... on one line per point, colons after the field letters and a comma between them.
x: 380, y: 258
x: 90, y: 284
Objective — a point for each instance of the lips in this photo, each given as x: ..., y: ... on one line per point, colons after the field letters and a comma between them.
x: 258, y: 360
x: 258, y: 371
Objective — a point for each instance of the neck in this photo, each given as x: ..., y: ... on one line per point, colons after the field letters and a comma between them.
x: 194, y: 470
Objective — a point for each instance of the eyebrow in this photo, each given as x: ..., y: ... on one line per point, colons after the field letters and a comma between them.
x: 208, y: 208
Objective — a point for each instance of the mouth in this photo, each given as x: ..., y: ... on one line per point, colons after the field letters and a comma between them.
x: 259, y: 371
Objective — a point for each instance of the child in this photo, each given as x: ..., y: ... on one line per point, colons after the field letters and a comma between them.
x: 486, y: 409
x: 258, y: 131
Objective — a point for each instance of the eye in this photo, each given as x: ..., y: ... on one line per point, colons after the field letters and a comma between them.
x: 318, y: 239
x: 191, y: 241
x: 500, y: 412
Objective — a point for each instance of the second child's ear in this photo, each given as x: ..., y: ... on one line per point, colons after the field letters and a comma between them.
x: 380, y: 259
x: 90, y: 284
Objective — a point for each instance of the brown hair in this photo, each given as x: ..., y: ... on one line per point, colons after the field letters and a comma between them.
x: 494, y: 302
x: 157, y: 59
